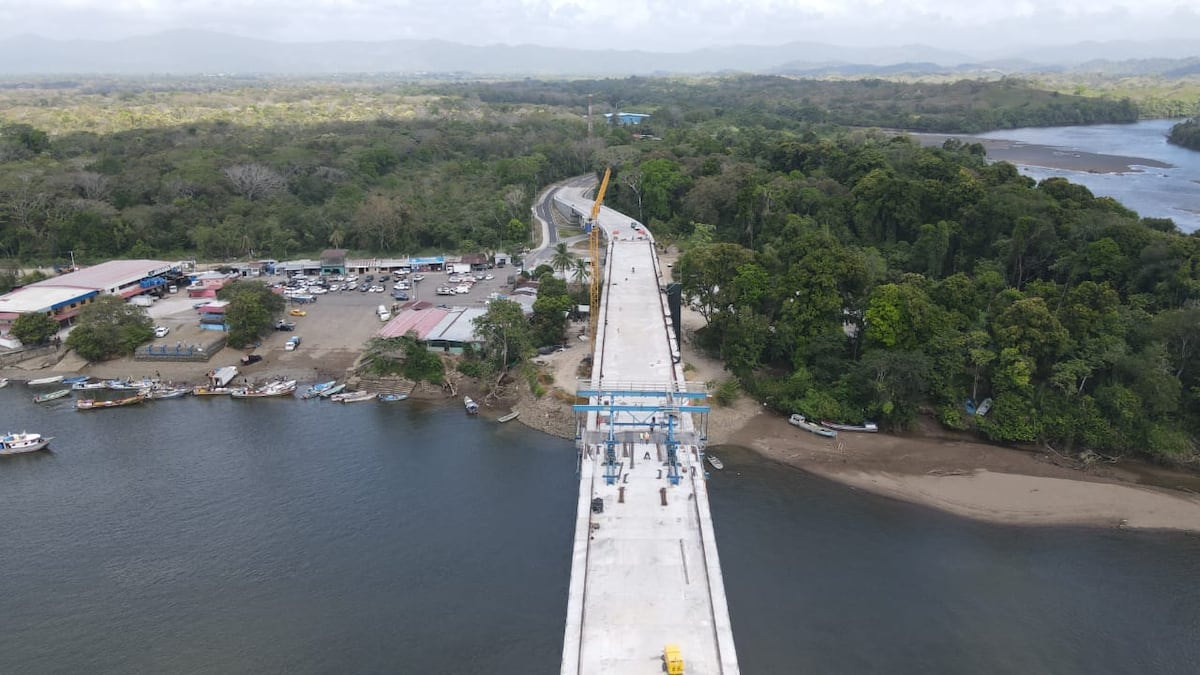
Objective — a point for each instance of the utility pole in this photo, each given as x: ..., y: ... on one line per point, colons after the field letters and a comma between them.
x: 72, y: 260
x: 589, y: 120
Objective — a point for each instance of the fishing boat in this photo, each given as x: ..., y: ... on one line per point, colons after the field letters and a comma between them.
x: 866, y: 427
x: 206, y: 390
x: 161, y: 393
x: 509, y: 417
x: 96, y: 404
x: 76, y: 379
x: 131, y: 385
x: 715, y: 461
x: 316, y: 389
x: 471, y: 406
x: 354, y: 397
x: 88, y: 386
x: 332, y: 391
x: 15, y: 444
x: 277, y: 388
x: 42, y: 398
x: 799, y: 421
x: 392, y: 398
x: 3, y: 382
x: 46, y: 380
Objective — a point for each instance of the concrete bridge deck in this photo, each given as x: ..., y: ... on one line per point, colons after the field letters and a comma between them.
x: 645, y: 571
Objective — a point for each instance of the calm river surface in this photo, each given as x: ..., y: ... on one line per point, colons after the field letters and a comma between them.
x: 1152, y: 192
x: 278, y: 536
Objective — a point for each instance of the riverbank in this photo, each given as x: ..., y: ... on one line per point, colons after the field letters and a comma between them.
x: 1047, y: 156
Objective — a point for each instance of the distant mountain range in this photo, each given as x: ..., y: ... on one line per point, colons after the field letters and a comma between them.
x: 192, y: 52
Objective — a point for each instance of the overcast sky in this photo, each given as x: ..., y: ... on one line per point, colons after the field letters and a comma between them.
x: 656, y: 25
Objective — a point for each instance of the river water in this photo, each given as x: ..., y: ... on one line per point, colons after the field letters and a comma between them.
x: 287, y: 536
x: 1171, y: 192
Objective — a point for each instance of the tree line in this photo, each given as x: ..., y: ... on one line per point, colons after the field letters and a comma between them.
x: 1186, y: 134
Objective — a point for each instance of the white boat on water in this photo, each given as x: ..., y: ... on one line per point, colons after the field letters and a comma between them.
x: 3, y: 382
x: 15, y: 444
x: 46, y: 380
x: 160, y: 393
x: 42, y: 398
x: 332, y: 391
x: 715, y: 461
x: 88, y: 386
x: 393, y: 398
x: 866, y: 427
x: 353, y: 397
x: 316, y: 389
x: 471, y: 406
x: 799, y: 421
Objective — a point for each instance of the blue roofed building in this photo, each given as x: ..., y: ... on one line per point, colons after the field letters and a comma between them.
x: 625, y: 118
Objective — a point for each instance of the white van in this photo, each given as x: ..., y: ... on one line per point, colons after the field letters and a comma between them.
x: 384, y: 314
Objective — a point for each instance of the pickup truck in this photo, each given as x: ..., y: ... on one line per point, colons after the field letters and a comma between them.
x: 292, y: 343
x: 285, y: 325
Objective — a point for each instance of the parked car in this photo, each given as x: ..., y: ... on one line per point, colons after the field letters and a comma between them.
x: 292, y: 343
x: 298, y: 312
x: 161, y: 331
x: 285, y: 325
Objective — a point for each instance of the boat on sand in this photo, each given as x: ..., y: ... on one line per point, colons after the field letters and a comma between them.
x: 509, y: 417
x: 353, y: 397
x: 471, y: 406
x: 798, y: 420
x: 865, y: 427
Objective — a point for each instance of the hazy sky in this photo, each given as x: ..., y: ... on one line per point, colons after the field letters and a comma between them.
x: 656, y: 25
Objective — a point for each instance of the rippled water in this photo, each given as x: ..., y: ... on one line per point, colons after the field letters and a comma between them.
x: 1152, y: 192
x: 221, y: 536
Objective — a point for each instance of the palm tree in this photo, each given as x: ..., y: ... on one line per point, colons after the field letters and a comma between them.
x: 580, y: 271
x: 563, y: 259
x: 336, y: 237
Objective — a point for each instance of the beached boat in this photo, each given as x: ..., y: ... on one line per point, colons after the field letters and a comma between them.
x: 42, y: 398
x: 799, y: 421
x: 392, y: 398
x: 470, y: 404
x: 715, y: 461
x: 332, y: 391
x: 867, y: 428
x: 509, y: 417
x: 354, y: 397
x: 205, y: 390
x: 160, y: 393
x: 277, y: 388
x: 46, y: 380
x: 15, y: 444
x: 75, y: 379
x: 316, y: 389
x: 88, y: 386
x: 3, y: 382
x: 984, y: 407
x: 96, y: 404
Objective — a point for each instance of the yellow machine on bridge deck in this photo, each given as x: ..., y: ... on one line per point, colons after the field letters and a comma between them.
x: 673, y: 660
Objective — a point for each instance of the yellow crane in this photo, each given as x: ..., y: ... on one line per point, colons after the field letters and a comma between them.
x: 593, y: 226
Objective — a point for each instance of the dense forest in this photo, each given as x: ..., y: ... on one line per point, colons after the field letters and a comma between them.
x: 1186, y: 134
x: 967, y: 106
x: 864, y: 277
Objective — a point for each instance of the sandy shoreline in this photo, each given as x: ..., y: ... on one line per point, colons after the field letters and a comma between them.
x: 1046, y: 156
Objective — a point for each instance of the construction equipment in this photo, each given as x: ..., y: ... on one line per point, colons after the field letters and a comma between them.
x: 673, y: 660
x: 593, y: 228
